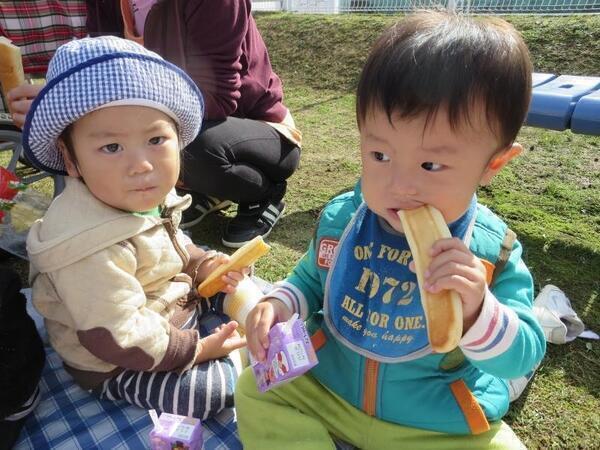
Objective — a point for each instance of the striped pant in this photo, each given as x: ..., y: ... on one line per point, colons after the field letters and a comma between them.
x: 200, y: 392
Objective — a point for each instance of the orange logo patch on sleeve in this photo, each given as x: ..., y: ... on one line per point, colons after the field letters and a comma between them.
x: 325, y: 253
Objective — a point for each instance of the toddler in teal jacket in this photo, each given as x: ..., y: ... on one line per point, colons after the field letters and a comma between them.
x: 439, y: 104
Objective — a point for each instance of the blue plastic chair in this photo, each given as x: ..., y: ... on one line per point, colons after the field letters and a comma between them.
x: 554, y: 101
x: 586, y: 116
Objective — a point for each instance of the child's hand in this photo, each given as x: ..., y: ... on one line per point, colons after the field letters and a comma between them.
x: 231, y: 279
x: 258, y: 323
x: 453, y: 266
x: 222, y: 342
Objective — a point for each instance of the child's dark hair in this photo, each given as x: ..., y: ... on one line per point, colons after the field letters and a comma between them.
x: 434, y: 59
x: 65, y: 136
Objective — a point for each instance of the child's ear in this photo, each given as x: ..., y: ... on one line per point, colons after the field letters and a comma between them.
x: 500, y: 160
x: 70, y: 165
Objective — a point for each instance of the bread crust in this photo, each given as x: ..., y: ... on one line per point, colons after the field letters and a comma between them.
x: 11, y: 66
x: 443, y: 310
x: 242, y: 257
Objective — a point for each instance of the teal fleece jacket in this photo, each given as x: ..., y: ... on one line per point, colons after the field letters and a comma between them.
x: 413, y: 389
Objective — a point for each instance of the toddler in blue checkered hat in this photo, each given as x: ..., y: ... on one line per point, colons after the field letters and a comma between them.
x: 111, y: 272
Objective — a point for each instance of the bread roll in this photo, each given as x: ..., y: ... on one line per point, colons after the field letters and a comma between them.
x: 243, y: 257
x: 11, y: 66
x: 443, y: 311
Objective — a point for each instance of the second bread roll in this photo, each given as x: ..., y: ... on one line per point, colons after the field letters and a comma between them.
x: 11, y: 66
x: 242, y: 257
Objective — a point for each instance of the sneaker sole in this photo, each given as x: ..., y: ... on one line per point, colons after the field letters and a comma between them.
x: 241, y: 244
x: 224, y: 204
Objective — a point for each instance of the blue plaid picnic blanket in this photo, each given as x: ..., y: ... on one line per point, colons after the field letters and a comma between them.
x: 69, y: 417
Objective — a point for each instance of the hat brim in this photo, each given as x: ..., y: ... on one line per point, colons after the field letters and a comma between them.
x: 109, y: 78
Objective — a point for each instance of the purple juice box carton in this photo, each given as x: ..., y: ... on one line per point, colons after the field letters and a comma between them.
x: 174, y: 432
x: 290, y: 354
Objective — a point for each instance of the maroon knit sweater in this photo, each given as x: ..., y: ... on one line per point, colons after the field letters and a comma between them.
x: 219, y: 46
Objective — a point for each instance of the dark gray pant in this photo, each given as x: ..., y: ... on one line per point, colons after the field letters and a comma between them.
x: 239, y: 160
x: 200, y: 392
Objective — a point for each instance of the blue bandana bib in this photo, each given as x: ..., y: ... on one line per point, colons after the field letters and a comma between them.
x: 372, y: 302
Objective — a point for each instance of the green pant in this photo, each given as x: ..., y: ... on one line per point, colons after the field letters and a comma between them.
x: 302, y: 414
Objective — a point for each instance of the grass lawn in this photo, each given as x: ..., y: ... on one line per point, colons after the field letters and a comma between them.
x: 550, y: 196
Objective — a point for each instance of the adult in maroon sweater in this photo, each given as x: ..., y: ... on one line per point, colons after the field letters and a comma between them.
x: 248, y: 146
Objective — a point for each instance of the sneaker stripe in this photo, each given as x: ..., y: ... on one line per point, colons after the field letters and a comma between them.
x: 270, y: 218
x: 216, y: 203
x: 273, y: 209
x: 205, y: 205
x: 271, y: 214
x: 200, y: 208
x: 264, y: 225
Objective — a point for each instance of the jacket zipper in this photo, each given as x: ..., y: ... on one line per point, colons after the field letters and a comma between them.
x: 171, y: 231
x: 370, y: 386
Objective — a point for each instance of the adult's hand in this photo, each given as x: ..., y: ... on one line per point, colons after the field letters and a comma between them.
x: 20, y: 99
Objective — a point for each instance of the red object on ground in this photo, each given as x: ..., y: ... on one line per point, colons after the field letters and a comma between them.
x: 6, y: 177
x: 6, y: 193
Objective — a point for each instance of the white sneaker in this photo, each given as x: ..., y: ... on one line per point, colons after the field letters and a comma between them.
x: 560, y: 322
x: 516, y: 386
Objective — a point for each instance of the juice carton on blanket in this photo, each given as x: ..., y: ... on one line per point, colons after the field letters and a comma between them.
x: 290, y: 354
x: 173, y: 432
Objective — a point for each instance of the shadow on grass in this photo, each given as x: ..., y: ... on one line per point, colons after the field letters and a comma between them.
x: 210, y: 231
x: 307, y: 107
x: 574, y: 269
x: 293, y: 230
x: 296, y: 229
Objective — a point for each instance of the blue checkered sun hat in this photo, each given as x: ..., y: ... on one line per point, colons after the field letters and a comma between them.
x: 89, y: 73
